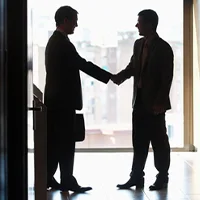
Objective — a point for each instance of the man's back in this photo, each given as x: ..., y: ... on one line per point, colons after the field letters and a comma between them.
x: 63, y: 84
x: 62, y: 77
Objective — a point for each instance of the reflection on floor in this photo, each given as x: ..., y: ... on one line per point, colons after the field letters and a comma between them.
x: 103, y: 171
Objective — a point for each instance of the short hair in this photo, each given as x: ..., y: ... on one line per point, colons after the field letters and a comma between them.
x: 65, y: 12
x: 149, y: 16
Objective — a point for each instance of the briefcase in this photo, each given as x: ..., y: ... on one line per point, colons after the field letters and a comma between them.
x: 79, y: 128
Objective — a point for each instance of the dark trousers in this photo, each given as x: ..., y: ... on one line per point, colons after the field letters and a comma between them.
x: 60, y: 144
x: 147, y: 128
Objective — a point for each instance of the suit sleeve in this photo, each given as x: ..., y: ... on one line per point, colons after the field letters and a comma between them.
x: 87, y: 66
x: 166, y: 76
x: 129, y: 71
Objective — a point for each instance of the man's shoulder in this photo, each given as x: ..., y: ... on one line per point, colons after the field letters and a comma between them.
x: 57, y: 40
x: 53, y: 39
x: 56, y: 36
x: 163, y: 47
x: 164, y: 44
x: 139, y: 41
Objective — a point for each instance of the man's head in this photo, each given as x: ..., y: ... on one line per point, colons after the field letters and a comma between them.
x: 66, y: 18
x: 147, y: 22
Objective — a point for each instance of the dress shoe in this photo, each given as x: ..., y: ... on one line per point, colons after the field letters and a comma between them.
x: 53, y: 184
x: 74, y: 187
x: 160, y: 183
x: 79, y: 189
x: 139, y: 183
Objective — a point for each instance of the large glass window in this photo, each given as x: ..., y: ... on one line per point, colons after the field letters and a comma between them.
x: 105, y: 35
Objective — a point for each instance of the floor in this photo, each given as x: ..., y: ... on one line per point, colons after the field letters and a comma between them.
x: 103, y: 171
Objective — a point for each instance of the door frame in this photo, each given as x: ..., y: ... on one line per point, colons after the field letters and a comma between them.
x: 3, y: 100
x: 17, y: 99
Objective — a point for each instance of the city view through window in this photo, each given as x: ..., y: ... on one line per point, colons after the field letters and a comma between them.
x: 105, y: 35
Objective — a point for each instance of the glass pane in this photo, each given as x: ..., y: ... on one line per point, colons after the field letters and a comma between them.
x: 106, y: 35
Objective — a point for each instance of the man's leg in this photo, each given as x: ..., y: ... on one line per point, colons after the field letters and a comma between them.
x: 66, y: 162
x: 52, y: 153
x: 141, y: 142
x: 68, y: 181
x: 161, y: 148
x: 65, y: 130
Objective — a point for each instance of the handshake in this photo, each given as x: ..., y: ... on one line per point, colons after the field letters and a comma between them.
x: 117, y: 78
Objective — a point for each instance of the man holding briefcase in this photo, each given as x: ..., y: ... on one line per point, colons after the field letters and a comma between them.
x: 63, y: 97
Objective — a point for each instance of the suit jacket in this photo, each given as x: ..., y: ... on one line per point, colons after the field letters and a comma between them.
x: 156, y: 74
x: 63, y: 85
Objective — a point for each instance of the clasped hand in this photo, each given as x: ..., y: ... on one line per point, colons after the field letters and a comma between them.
x: 117, y: 79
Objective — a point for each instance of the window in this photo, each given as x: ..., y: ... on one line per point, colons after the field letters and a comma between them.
x: 105, y: 35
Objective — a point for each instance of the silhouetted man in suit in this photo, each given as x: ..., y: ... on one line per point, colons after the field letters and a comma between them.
x: 152, y: 68
x: 63, y: 96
